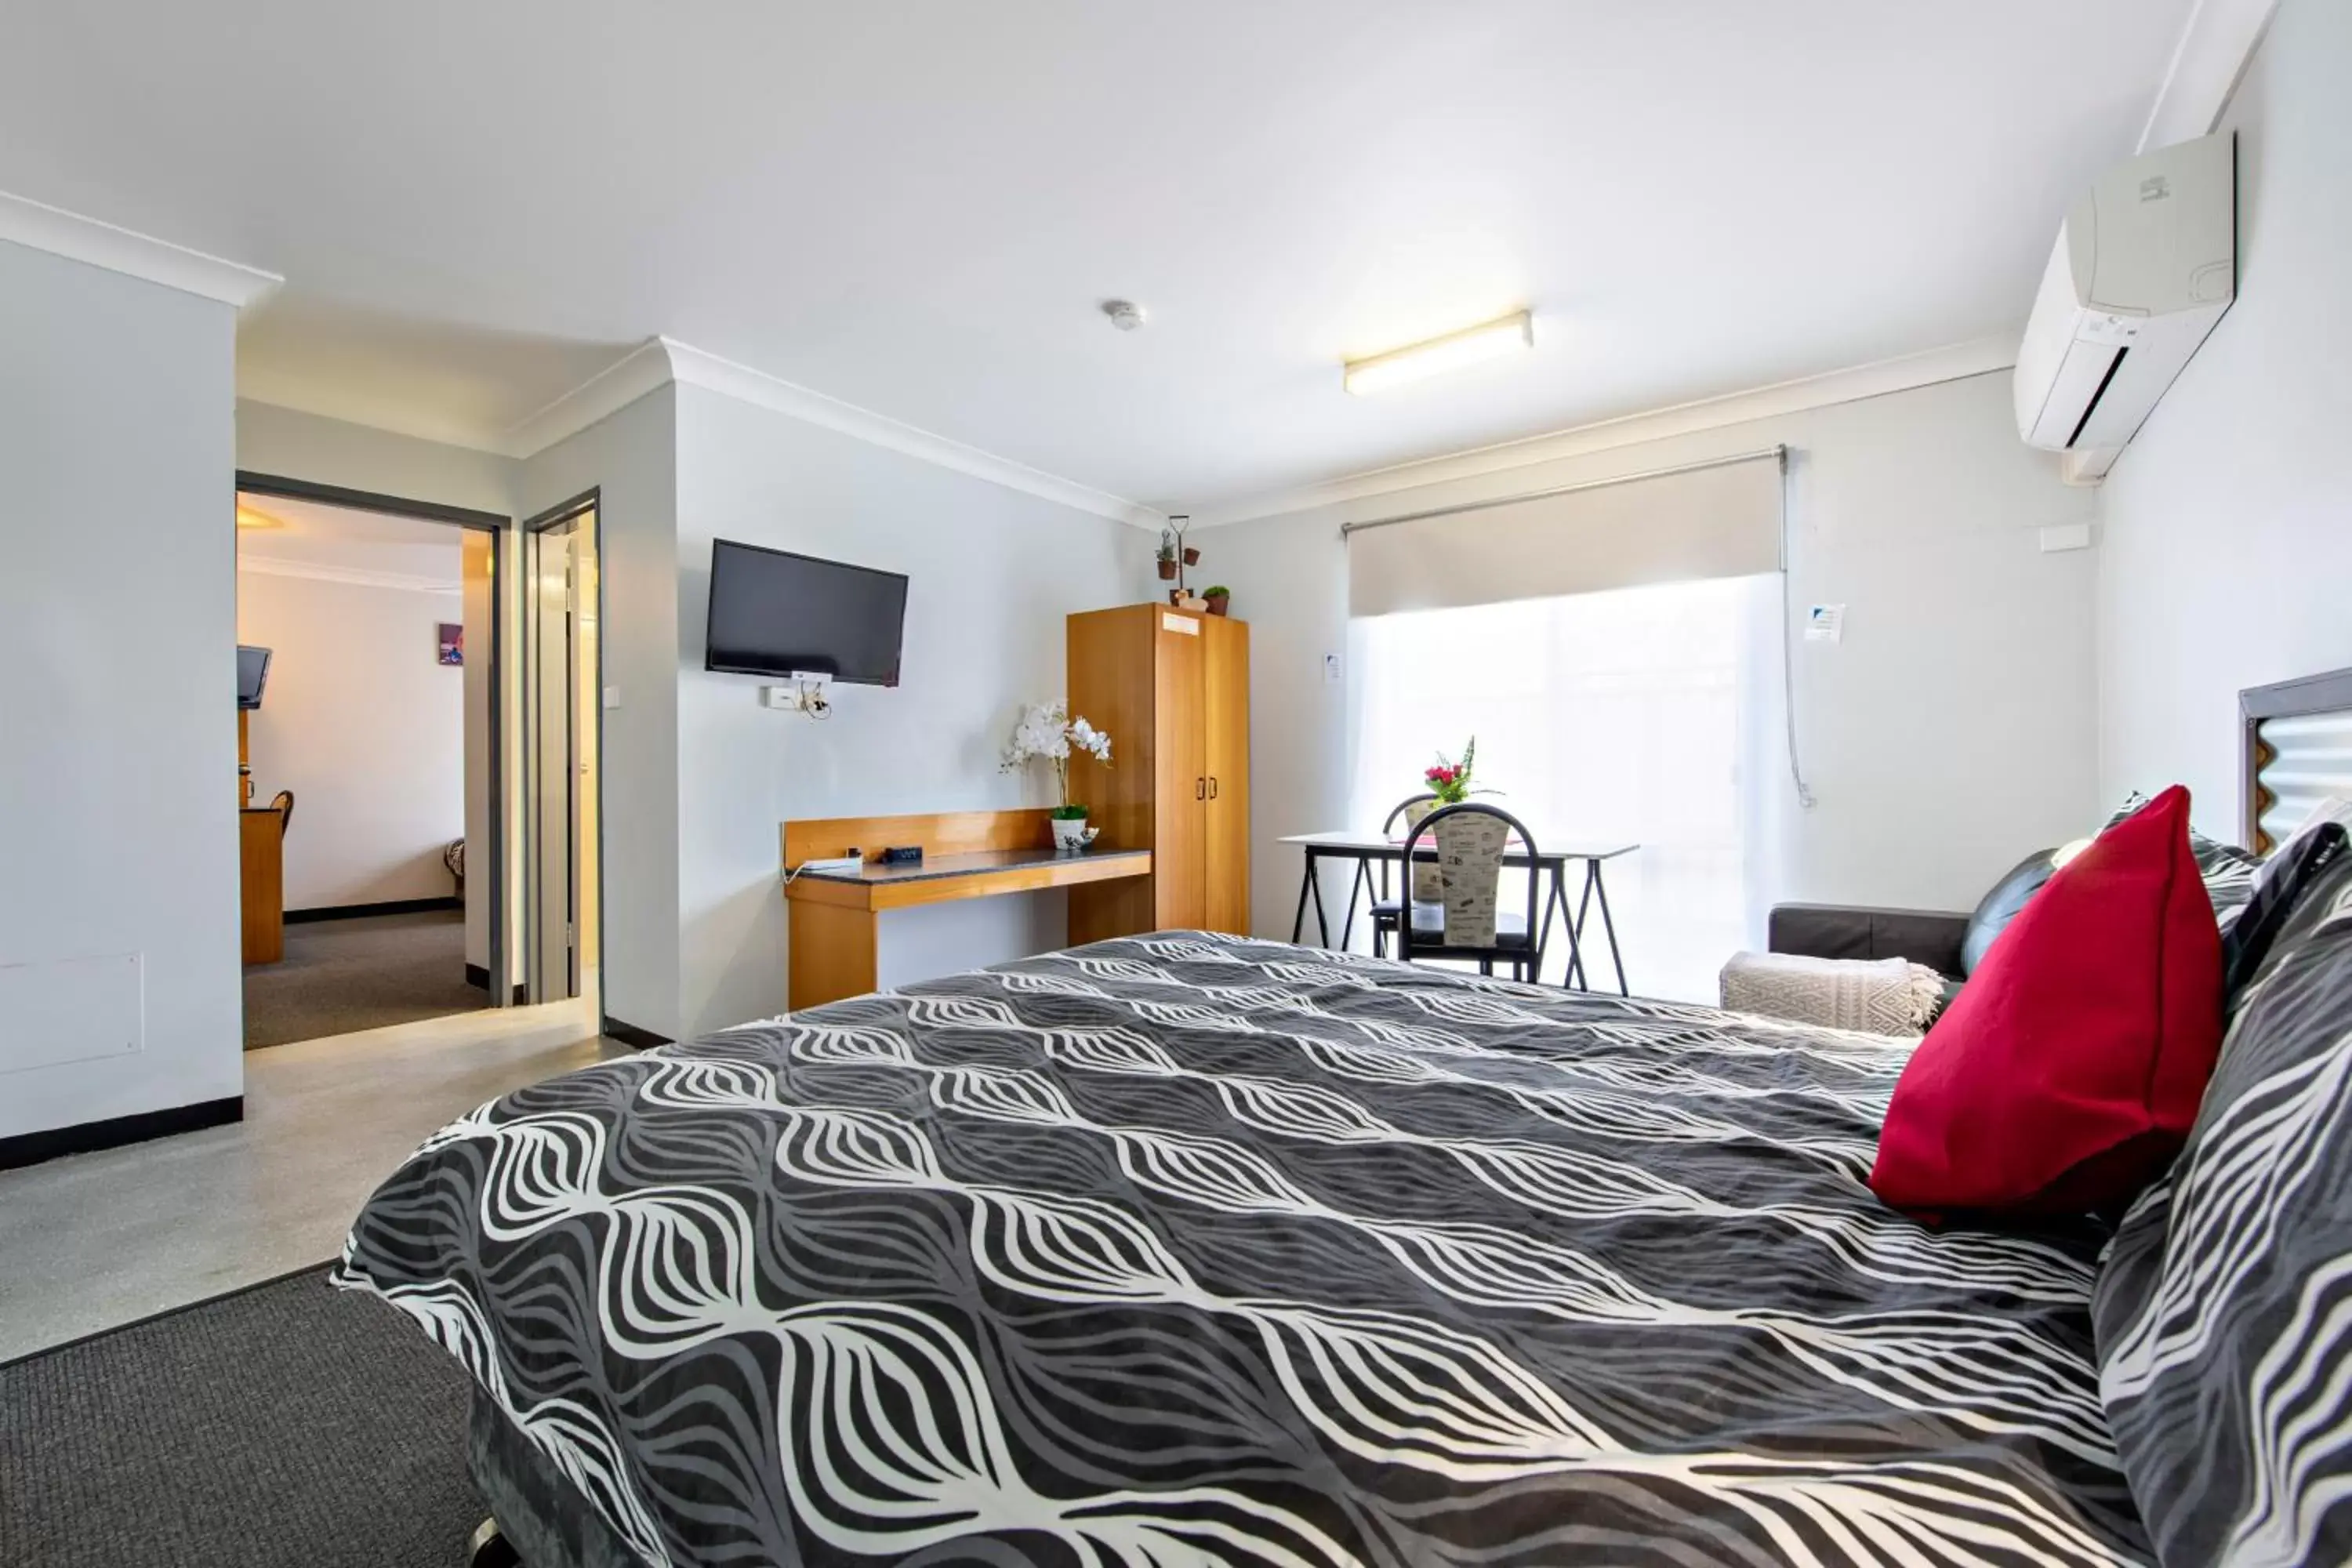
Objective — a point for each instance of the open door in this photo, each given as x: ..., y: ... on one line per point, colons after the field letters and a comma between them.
x: 563, y: 680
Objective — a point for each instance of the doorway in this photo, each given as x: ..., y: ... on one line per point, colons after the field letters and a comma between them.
x: 563, y: 754
x: 370, y: 759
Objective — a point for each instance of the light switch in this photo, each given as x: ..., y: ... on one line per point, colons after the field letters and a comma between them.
x: 611, y: 697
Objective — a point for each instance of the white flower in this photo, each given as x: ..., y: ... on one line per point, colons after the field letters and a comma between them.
x: 1089, y: 740
x: 1046, y: 730
x: 1042, y: 732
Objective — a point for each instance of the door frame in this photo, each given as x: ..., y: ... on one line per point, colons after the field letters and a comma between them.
x: 498, y: 526
x: 534, y: 528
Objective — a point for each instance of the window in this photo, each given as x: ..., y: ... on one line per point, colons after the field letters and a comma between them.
x: 1631, y: 716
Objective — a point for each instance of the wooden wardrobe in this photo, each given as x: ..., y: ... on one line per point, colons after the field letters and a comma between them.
x: 1172, y: 687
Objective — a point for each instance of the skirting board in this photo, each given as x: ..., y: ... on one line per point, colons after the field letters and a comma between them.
x: 88, y: 1137
x: 357, y: 911
x: 479, y: 977
x: 631, y: 1036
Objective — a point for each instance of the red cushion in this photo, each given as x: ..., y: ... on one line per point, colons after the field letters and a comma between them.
x: 2071, y: 1065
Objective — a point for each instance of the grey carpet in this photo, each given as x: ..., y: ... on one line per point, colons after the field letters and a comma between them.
x: 339, y: 976
x: 289, y: 1424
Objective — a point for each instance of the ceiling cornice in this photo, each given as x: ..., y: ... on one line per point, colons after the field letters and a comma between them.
x: 41, y: 227
x: 642, y: 369
x: 695, y: 367
x: 658, y: 360
x: 1873, y: 380
x: 2216, y: 42
x: 358, y: 576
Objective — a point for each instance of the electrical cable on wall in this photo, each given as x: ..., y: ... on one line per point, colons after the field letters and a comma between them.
x: 1787, y: 645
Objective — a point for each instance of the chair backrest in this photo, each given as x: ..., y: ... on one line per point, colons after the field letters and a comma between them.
x: 1425, y: 882
x: 283, y: 804
x: 1471, y: 840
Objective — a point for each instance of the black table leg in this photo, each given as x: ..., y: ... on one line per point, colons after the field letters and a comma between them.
x: 1355, y: 891
x: 1306, y: 880
x: 1574, y: 978
x: 1322, y: 921
x: 1609, y: 928
x: 1543, y: 935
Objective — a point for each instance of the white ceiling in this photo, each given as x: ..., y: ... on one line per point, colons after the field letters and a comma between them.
x: 343, y: 542
x: 916, y: 207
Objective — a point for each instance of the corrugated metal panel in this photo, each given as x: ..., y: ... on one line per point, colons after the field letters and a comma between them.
x: 2303, y: 761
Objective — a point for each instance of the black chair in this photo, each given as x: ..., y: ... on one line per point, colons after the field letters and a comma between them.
x: 1386, y: 909
x: 1469, y: 923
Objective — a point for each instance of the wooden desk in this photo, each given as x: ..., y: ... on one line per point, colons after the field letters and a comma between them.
x: 261, y: 882
x: 836, y: 915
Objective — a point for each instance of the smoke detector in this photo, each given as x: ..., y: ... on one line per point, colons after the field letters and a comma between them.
x: 1125, y: 314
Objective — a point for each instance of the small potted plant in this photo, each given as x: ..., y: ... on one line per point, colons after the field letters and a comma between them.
x: 1192, y: 556
x: 1167, y: 556
x: 1218, y: 597
x: 1449, y: 781
x: 1046, y: 730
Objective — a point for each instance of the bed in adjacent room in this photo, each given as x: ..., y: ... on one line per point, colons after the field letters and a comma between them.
x: 1189, y: 1248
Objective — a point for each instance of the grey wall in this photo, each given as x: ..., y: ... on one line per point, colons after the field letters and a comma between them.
x: 1952, y: 732
x: 631, y: 458
x: 118, y: 687
x: 2228, y: 519
x: 993, y: 571
x: 290, y: 444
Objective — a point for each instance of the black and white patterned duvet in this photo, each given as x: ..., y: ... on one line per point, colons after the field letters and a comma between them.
x: 1189, y: 1249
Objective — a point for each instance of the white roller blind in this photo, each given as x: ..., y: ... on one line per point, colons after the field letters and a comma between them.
x: 1718, y: 520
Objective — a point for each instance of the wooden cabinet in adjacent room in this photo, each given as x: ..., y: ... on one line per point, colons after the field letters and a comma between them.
x: 1172, y: 687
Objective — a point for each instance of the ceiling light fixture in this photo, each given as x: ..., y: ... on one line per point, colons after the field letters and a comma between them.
x: 248, y: 518
x: 1125, y: 314
x: 1491, y: 339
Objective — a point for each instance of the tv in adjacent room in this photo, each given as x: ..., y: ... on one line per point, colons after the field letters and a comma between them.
x: 776, y: 613
x: 252, y: 675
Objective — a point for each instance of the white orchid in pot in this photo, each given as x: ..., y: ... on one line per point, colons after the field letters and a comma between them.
x: 1046, y: 730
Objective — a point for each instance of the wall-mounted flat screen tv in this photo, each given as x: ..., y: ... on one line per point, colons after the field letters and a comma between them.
x: 774, y: 612
x: 252, y: 675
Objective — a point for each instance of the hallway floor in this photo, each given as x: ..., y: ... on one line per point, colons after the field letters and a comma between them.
x: 100, y: 1240
x: 340, y: 977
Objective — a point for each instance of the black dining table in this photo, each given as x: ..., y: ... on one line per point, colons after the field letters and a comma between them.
x: 1369, y: 850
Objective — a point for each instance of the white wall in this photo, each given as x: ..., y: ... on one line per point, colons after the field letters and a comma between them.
x: 630, y: 456
x: 367, y: 730
x: 118, y: 707
x: 993, y: 571
x: 1952, y: 732
x: 2227, y: 521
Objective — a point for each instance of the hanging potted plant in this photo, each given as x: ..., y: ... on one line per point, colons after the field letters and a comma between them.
x: 1218, y: 597
x: 1166, y: 555
x: 1047, y: 731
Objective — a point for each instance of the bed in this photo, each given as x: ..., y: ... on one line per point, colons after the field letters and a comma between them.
x: 1187, y: 1248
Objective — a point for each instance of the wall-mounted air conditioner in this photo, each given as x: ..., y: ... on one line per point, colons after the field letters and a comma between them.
x: 2145, y: 266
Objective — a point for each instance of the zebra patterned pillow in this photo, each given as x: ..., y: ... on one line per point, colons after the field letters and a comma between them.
x: 2223, y: 1313
x: 2229, y: 871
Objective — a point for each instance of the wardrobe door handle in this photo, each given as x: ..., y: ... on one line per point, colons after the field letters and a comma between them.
x: 1213, y: 786
x: 1200, y: 787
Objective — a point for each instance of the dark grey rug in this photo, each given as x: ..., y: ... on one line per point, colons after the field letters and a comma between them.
x: 289, y: 1424
x: 363, y: 973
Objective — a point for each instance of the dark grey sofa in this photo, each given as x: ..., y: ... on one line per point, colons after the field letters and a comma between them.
x: 1952, y: 944
x: 1932, y: 937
